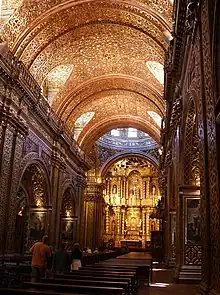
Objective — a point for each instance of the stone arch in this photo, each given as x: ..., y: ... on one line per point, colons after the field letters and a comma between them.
x: 33, y: 203
x: 191, y: 159
x: 68, y: 215
x: 33, y: 159
x: 71, y: 185
x: 69, y: 199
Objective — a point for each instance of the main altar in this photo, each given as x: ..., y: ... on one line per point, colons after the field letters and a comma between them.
x: 131, y: 244
x: 131, y: 196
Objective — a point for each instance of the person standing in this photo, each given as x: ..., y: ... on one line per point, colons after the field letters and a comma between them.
x: 40, y: 254
x: 61, y: 260
x: 76, y: 257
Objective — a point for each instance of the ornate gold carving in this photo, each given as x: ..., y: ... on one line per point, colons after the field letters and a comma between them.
x: 131, y: 194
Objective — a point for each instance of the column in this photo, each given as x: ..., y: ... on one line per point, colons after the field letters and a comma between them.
x: 143, y: 226
x: 148, y: 231
x: 57, y: 171
x: 12, y: 136
x: 107, y: 220
x: 81, y: 184
x: 118, y: 229
x: 147, y: 187
x: 19, y: 135
x: 122, y: 222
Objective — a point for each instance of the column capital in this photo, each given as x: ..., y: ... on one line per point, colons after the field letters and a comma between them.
x: 57, y: 160
x: 81, y: 181
x: 12, y: 118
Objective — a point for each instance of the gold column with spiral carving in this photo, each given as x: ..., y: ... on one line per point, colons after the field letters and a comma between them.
x: 107, y: 219
x: 122, y: 222
x: 148, y: 232
x: 118, y: 230
x: 143, y: 222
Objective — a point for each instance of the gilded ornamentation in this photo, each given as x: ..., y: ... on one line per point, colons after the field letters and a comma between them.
x: 131, y: 192
x: 67, y: 204
x: 108, y: 44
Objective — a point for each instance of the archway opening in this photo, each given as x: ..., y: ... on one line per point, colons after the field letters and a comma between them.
x: 68, y: 220
x: 32, y: 220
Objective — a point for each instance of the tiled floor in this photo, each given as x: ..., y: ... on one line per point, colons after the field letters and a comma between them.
x: 163, y: 285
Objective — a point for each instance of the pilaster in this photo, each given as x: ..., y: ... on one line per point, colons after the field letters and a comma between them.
x: 94, y: 203
x: 58, y: 168
x: 80, y: 235
x: 13, y: 132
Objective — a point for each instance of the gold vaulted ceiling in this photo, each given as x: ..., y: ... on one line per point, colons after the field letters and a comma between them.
x: 107, y: 43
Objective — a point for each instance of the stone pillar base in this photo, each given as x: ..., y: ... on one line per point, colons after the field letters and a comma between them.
x: 188, y: 274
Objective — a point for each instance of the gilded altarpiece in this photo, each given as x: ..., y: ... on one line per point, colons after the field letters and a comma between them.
x: 131, y: 195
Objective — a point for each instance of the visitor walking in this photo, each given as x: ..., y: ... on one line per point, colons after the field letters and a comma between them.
x: 76, y: 257
x: 40, y: 254
x: 61, y: 260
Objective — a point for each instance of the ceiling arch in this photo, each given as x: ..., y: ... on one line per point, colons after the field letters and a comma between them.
x: 109, y: 44
x: 95, y: 129
x: 73, y: 97
x: 33, y: 14
x: 122, y: 101
x: 102, y: 45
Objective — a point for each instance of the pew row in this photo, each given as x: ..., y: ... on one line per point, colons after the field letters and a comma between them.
x: 81, y: 289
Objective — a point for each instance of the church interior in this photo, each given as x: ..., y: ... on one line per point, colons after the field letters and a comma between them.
x: 110, y: 140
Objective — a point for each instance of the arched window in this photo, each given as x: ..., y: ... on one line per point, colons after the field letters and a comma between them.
x: 115, y: 132
x: 84, y: 119
x: 157, y: 70
x: 55, y: 80
x: 132, y: 132
x: 157, y: 118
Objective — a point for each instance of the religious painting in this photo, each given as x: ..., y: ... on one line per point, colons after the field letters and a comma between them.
x: 67, y: 229
x: 37, y: 225
x: 193, y: 225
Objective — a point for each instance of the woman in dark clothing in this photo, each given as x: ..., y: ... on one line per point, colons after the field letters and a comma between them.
x: 61, y: 260
x: 76, y: 257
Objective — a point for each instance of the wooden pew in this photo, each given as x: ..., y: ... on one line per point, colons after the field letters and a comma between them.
x: 30, y: 292
x: 121, y: 271
x: 107, y: 276
x: 111, y: 268
x: 89, y: 282
x: 81, y: 278
x: 74, y: 288
x: 109, y: 273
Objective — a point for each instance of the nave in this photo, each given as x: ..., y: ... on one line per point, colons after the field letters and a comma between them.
x: 109, y: 134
